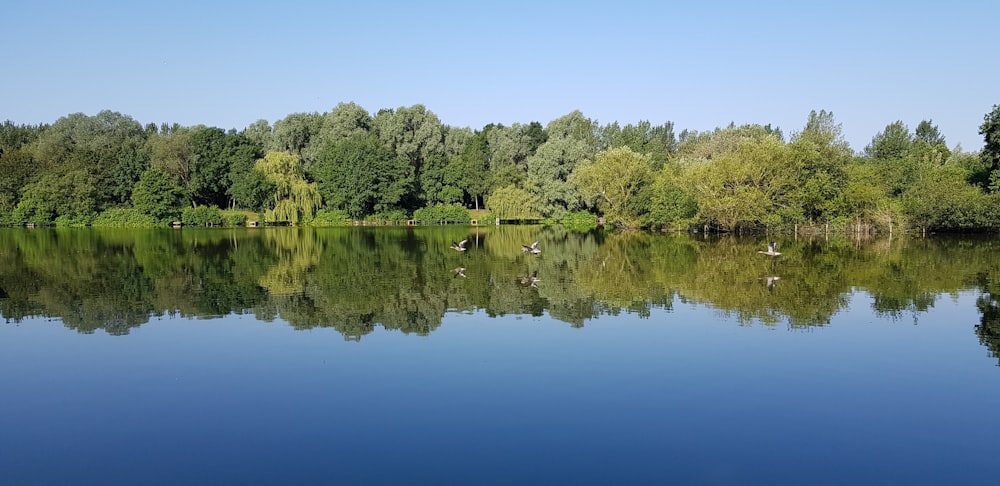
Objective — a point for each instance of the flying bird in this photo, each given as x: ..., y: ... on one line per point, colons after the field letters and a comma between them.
x: 459, y: 272
x: 531, y: 249
x: 460, y: 246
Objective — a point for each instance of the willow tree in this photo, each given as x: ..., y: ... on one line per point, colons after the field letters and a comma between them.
x: 511, y: 202
x: 294, y: 198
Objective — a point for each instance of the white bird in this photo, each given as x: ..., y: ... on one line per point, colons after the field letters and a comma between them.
x: 531, y: 249
x: 460, y: 246
x: 459, y: 272
x: 772, y: 250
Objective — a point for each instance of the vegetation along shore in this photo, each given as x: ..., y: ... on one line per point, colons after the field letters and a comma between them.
x: 404, y: 166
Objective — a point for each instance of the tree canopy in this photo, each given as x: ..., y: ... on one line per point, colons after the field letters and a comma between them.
x: 353, y: 164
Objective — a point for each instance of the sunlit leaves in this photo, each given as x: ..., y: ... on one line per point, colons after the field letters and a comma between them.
x: 294, y: 198
x: 614, y: 179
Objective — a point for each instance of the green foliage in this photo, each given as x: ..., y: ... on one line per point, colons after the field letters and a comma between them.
x: 745, y: 188
x: 359, y: 175
x: 381, y: 167
x: 17, y: 168
x: 941, y: 199
x: 615, y: 180
x: 579, y: 221
x: 157, y: 196
x: 295, y: 200
x: 202, y: 216
x: 442, y: 213
x: 892, y: 143
x: 671, y: 202
x: 72, y: 195
x: 549, y: 172
x: 395, y: 216
x: 125, y: 218
x: 235, y: 219
x: 513, y: 203
x: 331, y: 217
x: 989, y: 177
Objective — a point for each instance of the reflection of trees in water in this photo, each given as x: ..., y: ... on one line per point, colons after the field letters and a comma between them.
x: 400, y: 278
x: 988, y: 329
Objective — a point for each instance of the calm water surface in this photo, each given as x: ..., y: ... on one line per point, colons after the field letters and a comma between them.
x: 359, y: 356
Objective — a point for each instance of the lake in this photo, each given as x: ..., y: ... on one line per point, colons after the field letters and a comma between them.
x: 382, y: 356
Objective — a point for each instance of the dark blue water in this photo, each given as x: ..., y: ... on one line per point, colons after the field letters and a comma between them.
x: 687, y: 396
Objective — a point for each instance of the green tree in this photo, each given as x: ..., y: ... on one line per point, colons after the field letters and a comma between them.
x: 746, y: 188
x: 671, y: 201
x: 294, y: 132
x: 865, y: 195
x: 615, y: 179
x: 71, y: 196
x: 361, y: 176
x: 929, y: 145
x: 210, y: 165
x: 927, y: 132
x: 17, y: 168
x: 295, y: 200
x: 893, y: 143
x: 156, y: 195
x: 942, y: 200
x: 173, y: 153
x: 513, y: 203
x: 414, y: 133
x: 548, y: 175
x: 258, y: 134
x: 990, y: 130
x: 509, y: 149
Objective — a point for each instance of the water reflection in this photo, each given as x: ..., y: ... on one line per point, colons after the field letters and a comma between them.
x: 354, y: 279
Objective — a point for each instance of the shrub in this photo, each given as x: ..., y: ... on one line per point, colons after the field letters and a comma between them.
x: 396, y: 216
x: 124, y: 218
x: 202, y: 216
x: 66, y: 220
x: 331, y: 217
x: 579, y: 221
x: 236, y: 219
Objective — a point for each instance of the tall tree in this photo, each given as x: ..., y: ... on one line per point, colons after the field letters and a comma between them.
x: 293, y: 133
x: 893, y: 143
x: 615, y: 179
x: 929, y: 133
x: 990, y: 130
x: 156, y: 195
x: 174, y: 154
x: 361, y: 176
x: 548, y: 175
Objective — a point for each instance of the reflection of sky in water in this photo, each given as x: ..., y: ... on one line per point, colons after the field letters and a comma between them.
x: 685, y: 395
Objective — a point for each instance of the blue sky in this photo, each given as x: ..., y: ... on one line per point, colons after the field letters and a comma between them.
x: 698, y: 64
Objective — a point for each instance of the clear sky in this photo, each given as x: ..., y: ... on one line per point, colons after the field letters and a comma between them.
x: 698, y: 64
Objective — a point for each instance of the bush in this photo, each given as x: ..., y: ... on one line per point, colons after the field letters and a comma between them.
x: 395, y: 216
x: 202, y: 216
x: 442, y: 213
x: 331, y: 217
x: 124, y: 218
x: 580, y: 221
x: 66, y: 220
x: 236, y: 219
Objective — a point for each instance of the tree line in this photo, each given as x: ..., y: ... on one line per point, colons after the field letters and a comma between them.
x: 396, y: 164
